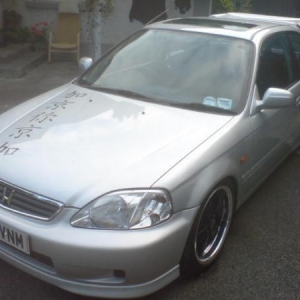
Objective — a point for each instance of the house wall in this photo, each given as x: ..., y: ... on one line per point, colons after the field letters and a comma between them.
x: 202, y: 7
x: 123, y: 20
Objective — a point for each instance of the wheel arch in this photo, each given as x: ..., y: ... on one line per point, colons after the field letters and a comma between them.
x: 188, y: 264
x: 192, y: 191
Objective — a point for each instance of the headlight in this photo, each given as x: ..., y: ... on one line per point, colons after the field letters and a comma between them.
x: 129, y: 209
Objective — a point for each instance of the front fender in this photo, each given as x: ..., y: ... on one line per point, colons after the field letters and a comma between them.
x: 191, y: 180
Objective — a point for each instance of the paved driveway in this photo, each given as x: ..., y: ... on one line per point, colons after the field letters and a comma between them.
x: 261, y: 259
x: 47, y: 76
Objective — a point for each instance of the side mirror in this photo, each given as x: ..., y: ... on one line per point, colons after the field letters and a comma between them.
x: 274, y: 98
x: 85, y: 63
x: 277, y: 98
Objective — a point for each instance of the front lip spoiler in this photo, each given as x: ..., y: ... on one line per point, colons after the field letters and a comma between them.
x: 148, y: 259
x: 89, y: 288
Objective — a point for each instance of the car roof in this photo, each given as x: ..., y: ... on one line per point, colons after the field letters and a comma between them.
x: 238, y: 25
x: 260, y: 19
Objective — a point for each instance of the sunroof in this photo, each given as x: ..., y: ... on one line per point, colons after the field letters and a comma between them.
x: 236, y: 26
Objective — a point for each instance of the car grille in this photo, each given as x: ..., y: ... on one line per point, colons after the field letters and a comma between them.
x: 26, y: 203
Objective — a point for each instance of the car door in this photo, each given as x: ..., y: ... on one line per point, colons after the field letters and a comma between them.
x: 275, y: 131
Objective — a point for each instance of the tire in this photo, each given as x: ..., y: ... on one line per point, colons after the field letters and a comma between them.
x: 209, y: 230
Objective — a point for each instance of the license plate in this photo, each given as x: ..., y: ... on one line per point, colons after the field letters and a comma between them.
x: 14, y: 238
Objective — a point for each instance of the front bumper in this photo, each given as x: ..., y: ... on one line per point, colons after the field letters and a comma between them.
x: 100, y: 263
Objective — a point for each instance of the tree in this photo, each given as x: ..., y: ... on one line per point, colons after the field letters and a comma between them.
x: 221, y: 6
x: 95, y: 12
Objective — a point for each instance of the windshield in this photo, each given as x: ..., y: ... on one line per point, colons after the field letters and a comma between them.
x: 189, y: 70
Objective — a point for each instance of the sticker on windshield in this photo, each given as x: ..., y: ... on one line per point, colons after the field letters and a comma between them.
x: 210, y: 101
x: 224, y: 103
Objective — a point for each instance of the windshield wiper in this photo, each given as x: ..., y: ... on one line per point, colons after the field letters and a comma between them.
x: 122, y: 92
x: 203, y: 108
x: 189, y: 105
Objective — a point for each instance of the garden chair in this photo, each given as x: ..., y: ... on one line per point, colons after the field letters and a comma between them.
x: 66, y: 38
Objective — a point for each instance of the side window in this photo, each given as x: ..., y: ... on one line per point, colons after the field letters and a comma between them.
x: 275, y: 65
x: 294, y: 39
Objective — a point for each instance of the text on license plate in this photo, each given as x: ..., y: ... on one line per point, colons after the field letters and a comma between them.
x: 14, y: 238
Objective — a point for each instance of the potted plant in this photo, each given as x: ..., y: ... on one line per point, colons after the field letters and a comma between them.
x: 39, y: 36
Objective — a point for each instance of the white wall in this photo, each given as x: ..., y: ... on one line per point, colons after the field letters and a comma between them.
x: 116, y: 25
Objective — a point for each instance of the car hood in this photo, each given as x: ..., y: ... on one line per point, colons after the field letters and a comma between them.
x: 77, y: 144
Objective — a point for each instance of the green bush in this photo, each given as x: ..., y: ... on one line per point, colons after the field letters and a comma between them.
x: 12, y: 30
x: 18, y: 35
x: 222, y: 6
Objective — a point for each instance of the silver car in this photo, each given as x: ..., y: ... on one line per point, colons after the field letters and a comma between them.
x: 115, y: 184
